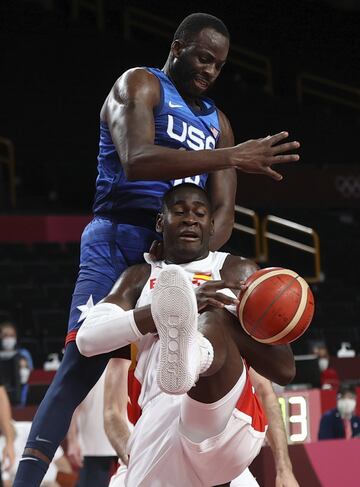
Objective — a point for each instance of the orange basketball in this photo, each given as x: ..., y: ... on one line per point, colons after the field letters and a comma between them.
x: 277, y: 307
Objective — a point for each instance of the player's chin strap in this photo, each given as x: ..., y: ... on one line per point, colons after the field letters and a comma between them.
x: 107, y: 327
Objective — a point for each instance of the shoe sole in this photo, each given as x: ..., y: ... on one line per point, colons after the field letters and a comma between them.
x: 174, y: 310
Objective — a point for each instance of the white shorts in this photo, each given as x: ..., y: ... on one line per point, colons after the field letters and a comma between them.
x: 162, y: 456
x: 246, y: 479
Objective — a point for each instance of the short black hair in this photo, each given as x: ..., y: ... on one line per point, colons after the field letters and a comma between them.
x: 194, y: 23
x: 346, y: 388
x: 174, y: 189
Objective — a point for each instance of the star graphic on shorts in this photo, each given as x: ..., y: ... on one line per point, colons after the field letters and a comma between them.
x: 85, y: 308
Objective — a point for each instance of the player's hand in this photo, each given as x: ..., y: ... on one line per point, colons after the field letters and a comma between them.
x: 157, y: 250
x: 257, y: 156
x: 74, y: 454
x: 8, y: 456
x: 286, y: 478
x: 208, y: 294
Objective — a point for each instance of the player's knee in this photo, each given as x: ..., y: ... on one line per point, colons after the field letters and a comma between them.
x: 84, y: 344
x: 286, y: 374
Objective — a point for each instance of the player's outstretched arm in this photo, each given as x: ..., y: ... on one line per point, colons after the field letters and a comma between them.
x: 128, y: 111
x: 116, y: 423
x: 276, y: 431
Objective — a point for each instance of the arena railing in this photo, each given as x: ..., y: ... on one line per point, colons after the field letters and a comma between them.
x: 326, y: 89
x: 313, y: 249
x: 244, y: 58
x: 251, y: 229
x: 7, y: 157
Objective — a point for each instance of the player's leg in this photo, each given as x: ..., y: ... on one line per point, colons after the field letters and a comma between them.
x: 101, y: 263
x: 207, y: 407
x: 184, y: 353
x: 209, y: 428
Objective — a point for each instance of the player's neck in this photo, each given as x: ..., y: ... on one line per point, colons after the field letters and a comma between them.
x: 192, y: 102
x: 175, y: 259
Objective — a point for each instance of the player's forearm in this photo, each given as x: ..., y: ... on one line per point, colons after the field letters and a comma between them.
x: 276, y: 431
x: 5, y: 416
x: 154, y: 162
x: 72, y: 434
x: 118, y: 432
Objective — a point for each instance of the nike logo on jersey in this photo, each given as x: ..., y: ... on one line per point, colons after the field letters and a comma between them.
x: 174, y: 105
x: 42, y: 439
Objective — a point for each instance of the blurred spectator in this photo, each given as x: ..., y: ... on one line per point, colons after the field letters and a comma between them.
x: 329, y: 378
x: 22, y: 363
x: 9, y: 343
x: 341, y: 421
x: 20, y: 433
x: 7, y: 450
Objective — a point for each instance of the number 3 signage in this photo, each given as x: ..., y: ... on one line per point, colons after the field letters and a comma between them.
x: 301, y: 412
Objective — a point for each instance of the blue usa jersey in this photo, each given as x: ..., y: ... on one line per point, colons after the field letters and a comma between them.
x: 177, y: 126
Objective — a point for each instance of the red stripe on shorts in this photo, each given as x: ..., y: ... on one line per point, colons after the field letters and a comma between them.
x: 250, y: 405
x: 71, y: 336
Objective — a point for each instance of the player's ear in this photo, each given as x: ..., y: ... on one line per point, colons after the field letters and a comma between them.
x: 159, y: 222
x: 177, y: 47
x: 212, y: 226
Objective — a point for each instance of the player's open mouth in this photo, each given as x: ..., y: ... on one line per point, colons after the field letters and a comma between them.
x: 189, y: 237
x: 201, y: 83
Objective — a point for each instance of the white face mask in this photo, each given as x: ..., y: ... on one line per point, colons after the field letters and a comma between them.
x: 24, y: 375
x: 346, y: 406
x: 323, y: 363
x: 8, y: 343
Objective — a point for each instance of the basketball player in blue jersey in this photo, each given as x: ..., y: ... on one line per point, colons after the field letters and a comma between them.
x: 157, y: 129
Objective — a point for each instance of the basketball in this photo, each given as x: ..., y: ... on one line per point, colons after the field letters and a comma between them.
x: 277, y: 307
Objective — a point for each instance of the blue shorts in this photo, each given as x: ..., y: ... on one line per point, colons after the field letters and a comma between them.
x: 107, y: 249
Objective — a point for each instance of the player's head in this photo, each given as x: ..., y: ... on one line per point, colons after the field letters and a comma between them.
x: 198, y: 53
x: 186, y: 223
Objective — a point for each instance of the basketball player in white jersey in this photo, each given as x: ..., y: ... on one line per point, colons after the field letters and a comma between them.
x: 208, y: 434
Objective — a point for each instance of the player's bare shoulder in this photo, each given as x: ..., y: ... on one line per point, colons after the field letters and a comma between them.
x: 131, y: 282
x: 238, y: 268
x: 135, y: 83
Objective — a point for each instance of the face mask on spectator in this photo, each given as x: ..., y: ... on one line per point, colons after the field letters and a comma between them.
x: 24, y: 375
x: 8, y: 343
x: 346, y: 406
x: 323, y: 363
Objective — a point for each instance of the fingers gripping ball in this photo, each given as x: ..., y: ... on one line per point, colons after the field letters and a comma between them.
x: 277, y: 307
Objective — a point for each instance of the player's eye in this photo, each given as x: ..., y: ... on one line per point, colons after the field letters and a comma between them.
x: 203, y: 59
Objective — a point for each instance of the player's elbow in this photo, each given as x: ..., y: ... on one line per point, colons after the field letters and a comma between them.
x: 133, y: 168
x: 84, y: 343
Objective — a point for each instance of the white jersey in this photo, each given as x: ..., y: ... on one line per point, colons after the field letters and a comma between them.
x: 199, y: 272
x: 92, y: 436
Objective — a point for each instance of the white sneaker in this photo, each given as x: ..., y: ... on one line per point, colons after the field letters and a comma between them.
x: 174, y: 310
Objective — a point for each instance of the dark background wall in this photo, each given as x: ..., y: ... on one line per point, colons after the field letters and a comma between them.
x: 56, y: 73
x: 56, y: 70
